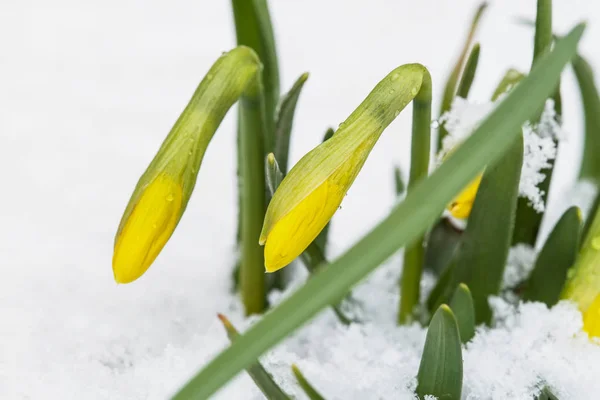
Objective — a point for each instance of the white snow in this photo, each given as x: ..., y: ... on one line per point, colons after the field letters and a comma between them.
x: 88, y: 92
x: 539, y: 142
x: 520, y: 263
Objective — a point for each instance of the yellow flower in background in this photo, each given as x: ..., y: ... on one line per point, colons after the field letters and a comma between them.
x: 463, y: 203
x: 314, y: 188
x: 591, y: 319
x: 147, y: 229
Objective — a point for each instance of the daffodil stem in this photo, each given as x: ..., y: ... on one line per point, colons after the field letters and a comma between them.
x: 583, y: 280
x: 253, y: 187
x: 414, y: 254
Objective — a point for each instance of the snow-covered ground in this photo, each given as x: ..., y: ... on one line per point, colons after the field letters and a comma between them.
x: 88, y: 90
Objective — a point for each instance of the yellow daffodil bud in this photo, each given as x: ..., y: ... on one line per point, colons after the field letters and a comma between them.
x: 147, y: 229
x: 313, y: 190
x: 591, y: 319
x: 163, y: 191
x: 463, y: 203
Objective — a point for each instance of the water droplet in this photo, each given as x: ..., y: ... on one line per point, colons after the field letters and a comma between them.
x: 154, y: 225
x: 190, y: 152
x: 596, y: 243
x: 395, y: 76
x: 392, y: 91
x: 341, y: 125
x: 570, y: 273
x: 414, y: 91
x: 435, y: 124
x: 169, y: 197
x: 396, y: 113
x: 209, y: 76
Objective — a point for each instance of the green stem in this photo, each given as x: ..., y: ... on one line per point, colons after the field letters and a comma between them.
x: 253, y: 188
x: 414, y: 255
x: 543, y: 30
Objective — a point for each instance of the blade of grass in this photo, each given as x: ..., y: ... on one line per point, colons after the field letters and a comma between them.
x: 284, y: 121
x: 464, y: 310
x: 441, y: 369
x: 557, y: 256
x: 257, y: 372
x: 469, y: 73
x: 405, y: 224
x: 452, y: 82
x: 590, y: 163
x: 482, y: 253
x: 308, y: 389
x: 436, y: 296
x: 528, y: 220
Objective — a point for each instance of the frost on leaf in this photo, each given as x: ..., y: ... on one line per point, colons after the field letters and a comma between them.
x: 539, y: 142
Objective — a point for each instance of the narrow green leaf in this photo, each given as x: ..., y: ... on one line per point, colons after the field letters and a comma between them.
x: 510, y: 79
x: 543, y: 30
x: 452, y: 82
x: 436, y: 296
x: 273, y: 173
x: 546, y: 394
x: 257, y: 372
x: 469, y: 73
x: 557, y: 256
x: 528, y: 220
x: 308, y: 389
x: 442, y: 242
x: 398, y: 182
x: 482, y: 253
x: 590, y: 164
x: 407, y: 222
x: 464, y: 310
x: 441, y: 370
x: 284, y: 121
x: 590, y: 217
x: 253, y: 29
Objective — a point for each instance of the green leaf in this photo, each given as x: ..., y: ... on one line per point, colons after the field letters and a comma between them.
x: 464, y: 310
x: 452, y: 82
x: 442, y: 242
x: 284, y: 121
x: 441, y: 370
x: 257, y: 372
x: 308, y: 389
x: 407, y: 222
x: 511, y: 78
x: 543, y: 29
x: 436, y: 296
x: 557, y: 256
x: 469, y: 73
x: 398, y: 182
x: 590, y: 164
x: 546, y: 394
x: 273, y: 173
x: 253, y: 29
x: 482, y: 253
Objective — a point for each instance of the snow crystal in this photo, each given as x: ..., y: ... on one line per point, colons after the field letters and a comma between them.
x: 521, y: 259
x: 539, y: 142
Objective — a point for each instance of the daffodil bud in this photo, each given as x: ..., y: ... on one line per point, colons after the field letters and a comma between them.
x: 463, y: 203
x: 163, y: 191
x: 313, y: 190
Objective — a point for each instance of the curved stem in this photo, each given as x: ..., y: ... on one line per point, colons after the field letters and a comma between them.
x: 419, y: 167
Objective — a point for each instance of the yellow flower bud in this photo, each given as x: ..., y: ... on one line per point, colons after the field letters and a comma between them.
x: 315, y: 187
x: 591, y: 319
x: 147, y: 229
x: 463, y: 203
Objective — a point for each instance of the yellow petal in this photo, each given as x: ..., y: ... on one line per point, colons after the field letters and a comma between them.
x: 147, y: 229
x: 463, y: 203
x: 294, y: 232
x: 591, y: 319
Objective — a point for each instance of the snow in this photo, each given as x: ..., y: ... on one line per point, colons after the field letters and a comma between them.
x: 520, y: 263
x: 539, y: 142
x: 90, y: 89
